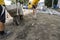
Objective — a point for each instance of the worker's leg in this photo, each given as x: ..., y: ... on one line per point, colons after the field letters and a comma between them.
x: 2, y: 21
x: 21, y: 13
x: 2, y: 27
x: 21, y: 17
x: 34, y: 13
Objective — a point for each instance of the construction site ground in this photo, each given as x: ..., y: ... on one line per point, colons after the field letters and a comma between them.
x: 44, y: 27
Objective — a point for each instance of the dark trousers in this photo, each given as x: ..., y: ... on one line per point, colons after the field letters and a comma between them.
x: 2, y: 17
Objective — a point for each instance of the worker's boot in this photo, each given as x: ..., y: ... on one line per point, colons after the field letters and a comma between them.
x: 3, y: 33
x: 21, y: 17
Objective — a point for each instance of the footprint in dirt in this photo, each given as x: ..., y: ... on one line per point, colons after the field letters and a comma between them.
x: 22, y: 35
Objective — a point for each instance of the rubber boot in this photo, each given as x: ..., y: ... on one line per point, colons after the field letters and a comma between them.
x: 21, y: 17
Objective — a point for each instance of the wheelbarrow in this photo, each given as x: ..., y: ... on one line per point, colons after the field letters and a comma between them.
x: 14, y: 12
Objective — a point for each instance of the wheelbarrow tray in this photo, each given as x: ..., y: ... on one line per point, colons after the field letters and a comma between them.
x: 12, y: 9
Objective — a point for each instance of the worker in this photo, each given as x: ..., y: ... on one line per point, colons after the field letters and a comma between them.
x: 33, y: 4
x: 20, y: 9
x: 2, y: 19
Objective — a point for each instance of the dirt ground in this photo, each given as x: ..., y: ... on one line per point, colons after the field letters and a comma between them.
x: 44, y: 27
x: 58, y: 10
